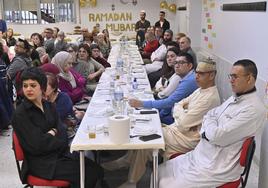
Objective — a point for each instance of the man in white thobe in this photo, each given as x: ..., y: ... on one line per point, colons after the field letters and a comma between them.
x: 215, y: 160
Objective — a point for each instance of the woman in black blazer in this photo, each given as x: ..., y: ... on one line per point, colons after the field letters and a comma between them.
x: 39, y: 131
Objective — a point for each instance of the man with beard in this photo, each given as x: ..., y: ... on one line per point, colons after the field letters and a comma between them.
x: 141, y: 27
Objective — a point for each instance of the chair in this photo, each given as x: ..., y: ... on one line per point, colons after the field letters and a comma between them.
x: 33, y: 180
x: 247, y: 152
x: 246, y: 156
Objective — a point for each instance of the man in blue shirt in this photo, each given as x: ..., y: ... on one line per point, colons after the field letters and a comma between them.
x: 185, y: 87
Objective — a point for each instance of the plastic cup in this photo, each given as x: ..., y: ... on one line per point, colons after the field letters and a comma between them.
x: 92, y: 131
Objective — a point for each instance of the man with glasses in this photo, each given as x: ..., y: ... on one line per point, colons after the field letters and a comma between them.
x: 21, y: 59
x: 49, y: 42
x: 185, y: 87
x: 20, y: 62
x: 215, y: 160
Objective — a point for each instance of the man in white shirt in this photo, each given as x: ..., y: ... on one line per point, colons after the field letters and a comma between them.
x: 215, y: 160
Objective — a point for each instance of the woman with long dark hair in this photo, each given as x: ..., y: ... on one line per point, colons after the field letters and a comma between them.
x: 169, y: 80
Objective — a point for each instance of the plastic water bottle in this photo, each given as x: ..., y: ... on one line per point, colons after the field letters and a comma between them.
x: 135, y: 84
x: 119, y: 99
x: 119, y: 66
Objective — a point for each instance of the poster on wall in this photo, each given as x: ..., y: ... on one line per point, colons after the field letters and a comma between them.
x: 208, y: 30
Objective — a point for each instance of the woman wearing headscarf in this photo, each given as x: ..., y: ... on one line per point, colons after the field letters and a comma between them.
x: 70, y: 81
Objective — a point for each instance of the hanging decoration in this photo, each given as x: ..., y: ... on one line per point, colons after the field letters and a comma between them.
x: 164, y: 5
x: 172, y: 8
x: 91, y: 3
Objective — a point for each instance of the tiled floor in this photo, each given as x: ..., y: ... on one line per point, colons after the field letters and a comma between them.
x: 10, y: 179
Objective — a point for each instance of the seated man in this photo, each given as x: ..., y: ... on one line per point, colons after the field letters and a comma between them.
x: 185, y: 46
x: 186, y: 86
x: 215, y: 160
x: 183, y: 135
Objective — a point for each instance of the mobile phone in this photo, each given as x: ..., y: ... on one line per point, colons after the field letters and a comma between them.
x: 150, y: 137
x: 148, y: 112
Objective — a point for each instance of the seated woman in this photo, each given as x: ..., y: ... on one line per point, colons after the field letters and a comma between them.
x: 37, y: 126
x: 70, y: 81
x: 105, y: 48
x: 169, y: 80
x: 37, y: 40
x: 63, y: 102
x: 88, y: 68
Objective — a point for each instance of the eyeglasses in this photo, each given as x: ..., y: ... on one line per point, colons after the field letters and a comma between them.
x: 181, y: 62
x: 235, y: 76
x: 70, y: 51
x: 203, y: 73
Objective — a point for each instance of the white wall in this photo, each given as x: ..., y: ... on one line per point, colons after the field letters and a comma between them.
x: 152, y: 9
x: 189, y: 21
x: 238, y: 35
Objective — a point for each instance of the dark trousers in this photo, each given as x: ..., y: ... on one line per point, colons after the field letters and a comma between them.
x: 68, y: 168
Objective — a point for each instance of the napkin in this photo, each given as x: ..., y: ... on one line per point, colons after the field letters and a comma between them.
x: 105, y: 111
x: 139, y: 75
x: 137, y: 70
x: 143, y: 130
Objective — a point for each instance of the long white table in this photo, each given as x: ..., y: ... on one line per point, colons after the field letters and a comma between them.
x: 97, y: 113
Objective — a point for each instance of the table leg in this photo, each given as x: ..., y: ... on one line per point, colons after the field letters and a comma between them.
x: 82, y: 169
x: 155, y: 168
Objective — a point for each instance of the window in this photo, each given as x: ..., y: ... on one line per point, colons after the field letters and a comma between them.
x: 39, y: 11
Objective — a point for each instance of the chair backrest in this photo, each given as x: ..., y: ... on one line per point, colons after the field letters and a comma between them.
x: 246, y: 157
x: 17, y: 147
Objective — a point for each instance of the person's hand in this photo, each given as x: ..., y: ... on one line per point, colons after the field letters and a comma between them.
x: 135, y: 103
x: 91, y: 76
x: 79, y: 114
x: 185, y: 106
x: 52, y: 131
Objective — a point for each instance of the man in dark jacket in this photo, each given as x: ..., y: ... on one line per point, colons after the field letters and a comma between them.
x: 163, y: 23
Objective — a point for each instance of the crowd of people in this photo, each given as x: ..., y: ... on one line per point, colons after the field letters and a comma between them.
x: 47, y: 76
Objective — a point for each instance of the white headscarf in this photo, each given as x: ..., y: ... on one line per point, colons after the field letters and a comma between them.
x: 60, y: 60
